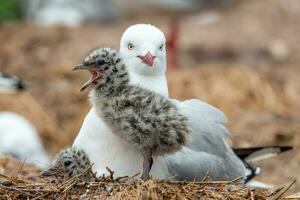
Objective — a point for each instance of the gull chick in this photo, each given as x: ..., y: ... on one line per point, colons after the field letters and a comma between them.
x: 144, y: 119
x: 69, y: 163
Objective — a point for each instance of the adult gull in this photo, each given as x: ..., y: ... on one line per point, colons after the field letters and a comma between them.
x: 143, y: 50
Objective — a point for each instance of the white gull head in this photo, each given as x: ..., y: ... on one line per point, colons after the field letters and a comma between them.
x: 143, y: 49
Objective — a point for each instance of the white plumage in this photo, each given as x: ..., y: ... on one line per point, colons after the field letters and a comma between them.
x: 67, y: 12
x: 10, y: 84
x: 20, y: 139
x: 105, y: 149
x: 206, y: 149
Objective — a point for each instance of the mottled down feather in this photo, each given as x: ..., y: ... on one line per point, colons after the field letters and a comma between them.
x: 140, y: 116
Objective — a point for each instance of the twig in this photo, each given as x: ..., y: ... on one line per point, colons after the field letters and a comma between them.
x: 22, y: 165
x: 293, y: 196
x: 41, y: 196
x: 236, y: 179
x: 70, y: 186
x: 96, y: 184
x: 15, y: 189
x: 284, y: 191
x: 200, y: 182
x: 275, y: 192
x: 251, y: 195
x: 76, y: 177
x: 206, y: 177
x: 121, y: 178
x: 110, y: 172
x: 93, y: 174
x: 4, y: 176
x: 135, y: 175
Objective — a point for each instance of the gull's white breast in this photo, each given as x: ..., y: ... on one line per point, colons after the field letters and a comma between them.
x: 105, y: 149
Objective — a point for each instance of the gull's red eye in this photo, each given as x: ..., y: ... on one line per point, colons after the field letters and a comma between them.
x: 130, y: 46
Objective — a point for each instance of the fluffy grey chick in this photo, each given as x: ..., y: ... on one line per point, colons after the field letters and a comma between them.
x: 69, y: 163
x: 141, y: 117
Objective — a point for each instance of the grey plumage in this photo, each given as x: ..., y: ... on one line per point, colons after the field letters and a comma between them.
x: 141, y: 117
x: 69, y: 163
x: 206, y: 150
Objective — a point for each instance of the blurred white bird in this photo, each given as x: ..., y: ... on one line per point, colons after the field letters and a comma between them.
x: 10, y: 83
x: 18, y: 138
x: 68, y: 12
x: 142, y: 48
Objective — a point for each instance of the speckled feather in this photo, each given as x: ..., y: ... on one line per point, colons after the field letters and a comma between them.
x: 140, y: 116
x: 69, y: 163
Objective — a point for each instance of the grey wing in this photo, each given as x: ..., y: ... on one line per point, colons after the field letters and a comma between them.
x: 205, y: 150
x: 190, y: 165
x: 207, y: 124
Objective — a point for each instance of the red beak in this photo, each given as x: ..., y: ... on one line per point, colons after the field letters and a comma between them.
x: 147, y: 59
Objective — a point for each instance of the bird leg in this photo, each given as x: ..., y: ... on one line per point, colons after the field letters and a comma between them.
x: 147, y: 163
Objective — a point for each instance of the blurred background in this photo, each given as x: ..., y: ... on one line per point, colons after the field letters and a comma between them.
x: 242, y: 56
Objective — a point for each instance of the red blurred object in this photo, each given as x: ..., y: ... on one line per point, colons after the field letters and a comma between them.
x: 172, y: 40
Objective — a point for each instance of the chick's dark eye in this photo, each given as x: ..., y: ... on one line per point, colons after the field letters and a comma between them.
x: 100, y: 62
x: 67, y: 163
x: 130, y: 46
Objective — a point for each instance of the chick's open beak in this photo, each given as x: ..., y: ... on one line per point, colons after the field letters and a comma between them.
x: 79, y: 66
x: 95, y: 75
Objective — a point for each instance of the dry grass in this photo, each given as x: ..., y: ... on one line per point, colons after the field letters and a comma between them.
x: 31, y: 186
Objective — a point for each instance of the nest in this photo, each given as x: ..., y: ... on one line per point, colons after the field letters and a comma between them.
x: 28, y: 186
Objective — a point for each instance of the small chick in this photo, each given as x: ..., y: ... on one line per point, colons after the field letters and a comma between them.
x: 69, y: 163
x: 141, y: 117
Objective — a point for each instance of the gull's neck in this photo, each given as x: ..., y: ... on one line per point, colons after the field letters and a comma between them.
x: 155, y: 83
